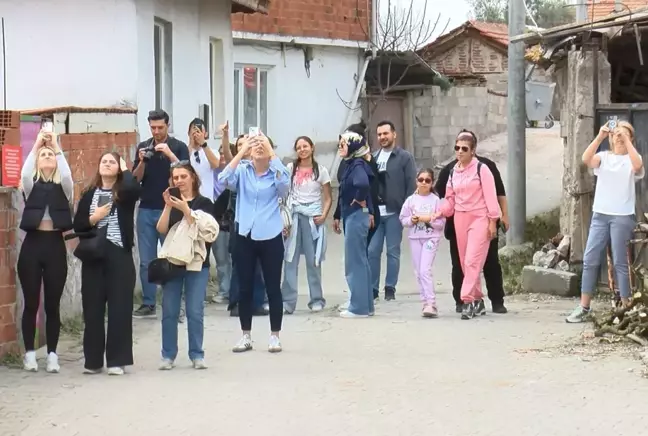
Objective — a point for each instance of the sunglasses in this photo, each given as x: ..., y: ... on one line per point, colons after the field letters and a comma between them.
x: 197, y: 156
x: 181, y: 163
x: 425, y: 180
x: 462, y: 148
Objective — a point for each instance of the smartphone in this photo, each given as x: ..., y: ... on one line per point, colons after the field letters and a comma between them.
x: 612, y: 124
x: 254, y: 131
x: 103, y: 200
x: 175, y: 192
x: 47, y: 126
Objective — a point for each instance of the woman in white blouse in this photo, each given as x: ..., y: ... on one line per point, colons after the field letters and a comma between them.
x: 613, y: 218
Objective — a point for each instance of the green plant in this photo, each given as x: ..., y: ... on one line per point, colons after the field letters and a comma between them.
x: 72, y: 326
x: 11, y: 359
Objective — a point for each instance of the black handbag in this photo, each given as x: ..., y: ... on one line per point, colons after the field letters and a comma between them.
x: 161, y: 271
x: 92, y: 248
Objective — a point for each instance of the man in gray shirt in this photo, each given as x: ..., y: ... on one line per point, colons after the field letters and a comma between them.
x: 397, y: 181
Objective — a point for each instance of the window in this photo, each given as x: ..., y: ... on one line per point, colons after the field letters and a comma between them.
x: 216, y: 84
x: 162, y: 54
x: 250, y: 98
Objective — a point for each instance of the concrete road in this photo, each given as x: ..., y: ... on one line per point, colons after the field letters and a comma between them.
x: 394, y: 374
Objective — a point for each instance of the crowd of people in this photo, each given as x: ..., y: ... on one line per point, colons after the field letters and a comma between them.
x: 258, y: 217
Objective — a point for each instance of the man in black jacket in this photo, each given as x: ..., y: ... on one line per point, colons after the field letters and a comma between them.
x: 492, y: 267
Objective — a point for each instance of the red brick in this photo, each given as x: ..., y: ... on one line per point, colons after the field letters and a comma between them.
x: 330, y: 19
x: 8, y: 293
x: 8, y: 333
x: 7, y: 314
x: 10, y: 119
x: 9, y: 136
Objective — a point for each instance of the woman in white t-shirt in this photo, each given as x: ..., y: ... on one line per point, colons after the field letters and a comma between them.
x: 310, y: 202
x: 613, y: 218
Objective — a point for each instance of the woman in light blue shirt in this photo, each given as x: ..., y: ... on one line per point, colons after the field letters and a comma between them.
x: 260, y: 183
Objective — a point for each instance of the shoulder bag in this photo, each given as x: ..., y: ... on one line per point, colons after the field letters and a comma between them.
x: 92, y: 248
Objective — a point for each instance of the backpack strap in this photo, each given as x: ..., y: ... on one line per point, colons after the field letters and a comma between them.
x: 479, y: 166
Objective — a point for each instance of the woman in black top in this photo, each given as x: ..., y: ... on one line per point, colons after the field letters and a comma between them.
x: 47, y: 187
x: 109, y: 202
x: 194, y: 283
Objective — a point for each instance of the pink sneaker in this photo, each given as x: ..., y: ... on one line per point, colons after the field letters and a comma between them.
x: 430, y: 311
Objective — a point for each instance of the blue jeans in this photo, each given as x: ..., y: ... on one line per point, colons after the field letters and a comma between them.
x: 389, y: 230
x: 223, y: 263
x: 147, y: 242
x: 195, y: 290
x: 356, y: 264
x: 604, y: 229
x: 259, y: 296
x: 305, y: 245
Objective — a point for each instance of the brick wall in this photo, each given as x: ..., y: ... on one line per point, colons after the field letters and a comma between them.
x: 330, y: 19
x: 470, y: 56
x: 8, y: 306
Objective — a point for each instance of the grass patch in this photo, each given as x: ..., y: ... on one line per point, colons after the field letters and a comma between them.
x: 539, y: 230
x: 72, y: 326
x: 11, y: 360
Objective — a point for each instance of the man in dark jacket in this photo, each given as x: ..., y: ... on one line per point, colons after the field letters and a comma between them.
x: 492, y: 267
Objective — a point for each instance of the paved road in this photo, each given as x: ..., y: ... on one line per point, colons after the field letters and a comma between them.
x: 394, y: 374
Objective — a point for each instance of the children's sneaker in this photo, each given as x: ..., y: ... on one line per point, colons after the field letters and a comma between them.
x: 467, y: 311
x: 116, y: 370
x: 166, y: 365
x: 199, y: 364
x: 274, y: 346
x: 53, y: 366
x: 244, y: 344
x: 479, y: 308
x: 430, y: 311
x: 580, y: 314
x: 29, y: 362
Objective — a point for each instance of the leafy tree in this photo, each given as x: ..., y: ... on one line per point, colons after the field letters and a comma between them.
x: 545, y: 13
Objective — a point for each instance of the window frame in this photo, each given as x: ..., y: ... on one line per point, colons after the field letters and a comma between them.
x: 163, y: 66
x: 239, y: 97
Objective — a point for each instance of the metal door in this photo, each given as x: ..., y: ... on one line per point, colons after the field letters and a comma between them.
x: 379, y: 109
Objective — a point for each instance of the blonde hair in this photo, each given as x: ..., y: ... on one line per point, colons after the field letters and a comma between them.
x: 37, y: 174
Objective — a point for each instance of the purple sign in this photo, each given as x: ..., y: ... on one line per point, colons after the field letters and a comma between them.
x: 29, y: 128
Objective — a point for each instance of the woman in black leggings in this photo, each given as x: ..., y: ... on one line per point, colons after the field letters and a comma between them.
x: 47, y: 188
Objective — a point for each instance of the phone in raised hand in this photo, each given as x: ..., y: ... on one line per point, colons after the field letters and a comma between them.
x: 254, y: 131
x: 175, y: 192
x: 47, y: 126
x: 612, y: 124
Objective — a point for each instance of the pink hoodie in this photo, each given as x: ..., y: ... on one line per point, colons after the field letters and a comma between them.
x: 465, y: 191
x: 422, y: 205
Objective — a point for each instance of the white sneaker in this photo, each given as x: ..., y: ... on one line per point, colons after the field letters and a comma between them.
x: 166, y: 365
x: 53, y: 366
x: 344, y: 307
x: 274, y: 346
x: 244, y: 344
x: 317, y: 307
x: 199, y: 364
x: 29, y: 362
x: 92, y: 371
x: 219, y: 299
x: 347, y: 314
x: 117, y: 370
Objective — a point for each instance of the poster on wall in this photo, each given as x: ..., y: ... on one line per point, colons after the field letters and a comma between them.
x: 29, y: 129
x: 11, y: 165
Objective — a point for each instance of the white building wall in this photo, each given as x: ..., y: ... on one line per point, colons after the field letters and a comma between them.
x: 100, y: 53
x: 302, y: 105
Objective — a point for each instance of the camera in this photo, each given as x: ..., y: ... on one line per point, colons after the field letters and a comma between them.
x: 149, y: 152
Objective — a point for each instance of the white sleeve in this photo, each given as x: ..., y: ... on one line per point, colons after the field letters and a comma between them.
x: 324, y: 176
x: 642, y: 172
x: 27, y: 173
x: 603, y: 156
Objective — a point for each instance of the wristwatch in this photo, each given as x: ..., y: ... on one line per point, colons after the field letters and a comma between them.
x: 203, y: 145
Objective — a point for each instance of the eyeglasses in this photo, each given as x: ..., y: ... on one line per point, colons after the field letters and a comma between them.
x: 181, y: 163
x: 197, y: 156
x: 425, y: 180
x: 462, y: 148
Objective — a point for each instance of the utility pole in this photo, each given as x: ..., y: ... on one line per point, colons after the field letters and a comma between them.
x: 516, y: 124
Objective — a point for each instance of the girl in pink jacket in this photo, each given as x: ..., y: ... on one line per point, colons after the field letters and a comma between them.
x: 424, y: 235
x: 471, y: 198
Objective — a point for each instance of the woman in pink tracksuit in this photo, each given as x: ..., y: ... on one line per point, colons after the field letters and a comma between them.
x: 424, y: 236
x: 471, y: 198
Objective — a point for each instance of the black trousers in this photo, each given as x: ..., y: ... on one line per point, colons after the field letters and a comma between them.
x: 492, y: 273
x: 110, y: 282
x: 270, y: 254
x: 42, y: 261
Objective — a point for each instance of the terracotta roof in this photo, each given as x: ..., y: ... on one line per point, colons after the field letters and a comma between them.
x: 77, y: 109
x: 497, y: 33
x: 603, y: 8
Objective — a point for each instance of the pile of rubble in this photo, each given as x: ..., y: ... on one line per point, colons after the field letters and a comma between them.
x: 554, y: 254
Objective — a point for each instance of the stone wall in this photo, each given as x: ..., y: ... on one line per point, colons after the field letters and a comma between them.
x: 439, y: 115
x: 8, y: 295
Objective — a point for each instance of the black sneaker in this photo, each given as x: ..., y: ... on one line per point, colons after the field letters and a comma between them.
x: 390, y: 293
x: 234, y: 311
x: 144, y: 311
x: 467, y: 311
x: 479, y: 308
x: 458, y: 307
x: 376, y: 294
x: 499, y: 308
